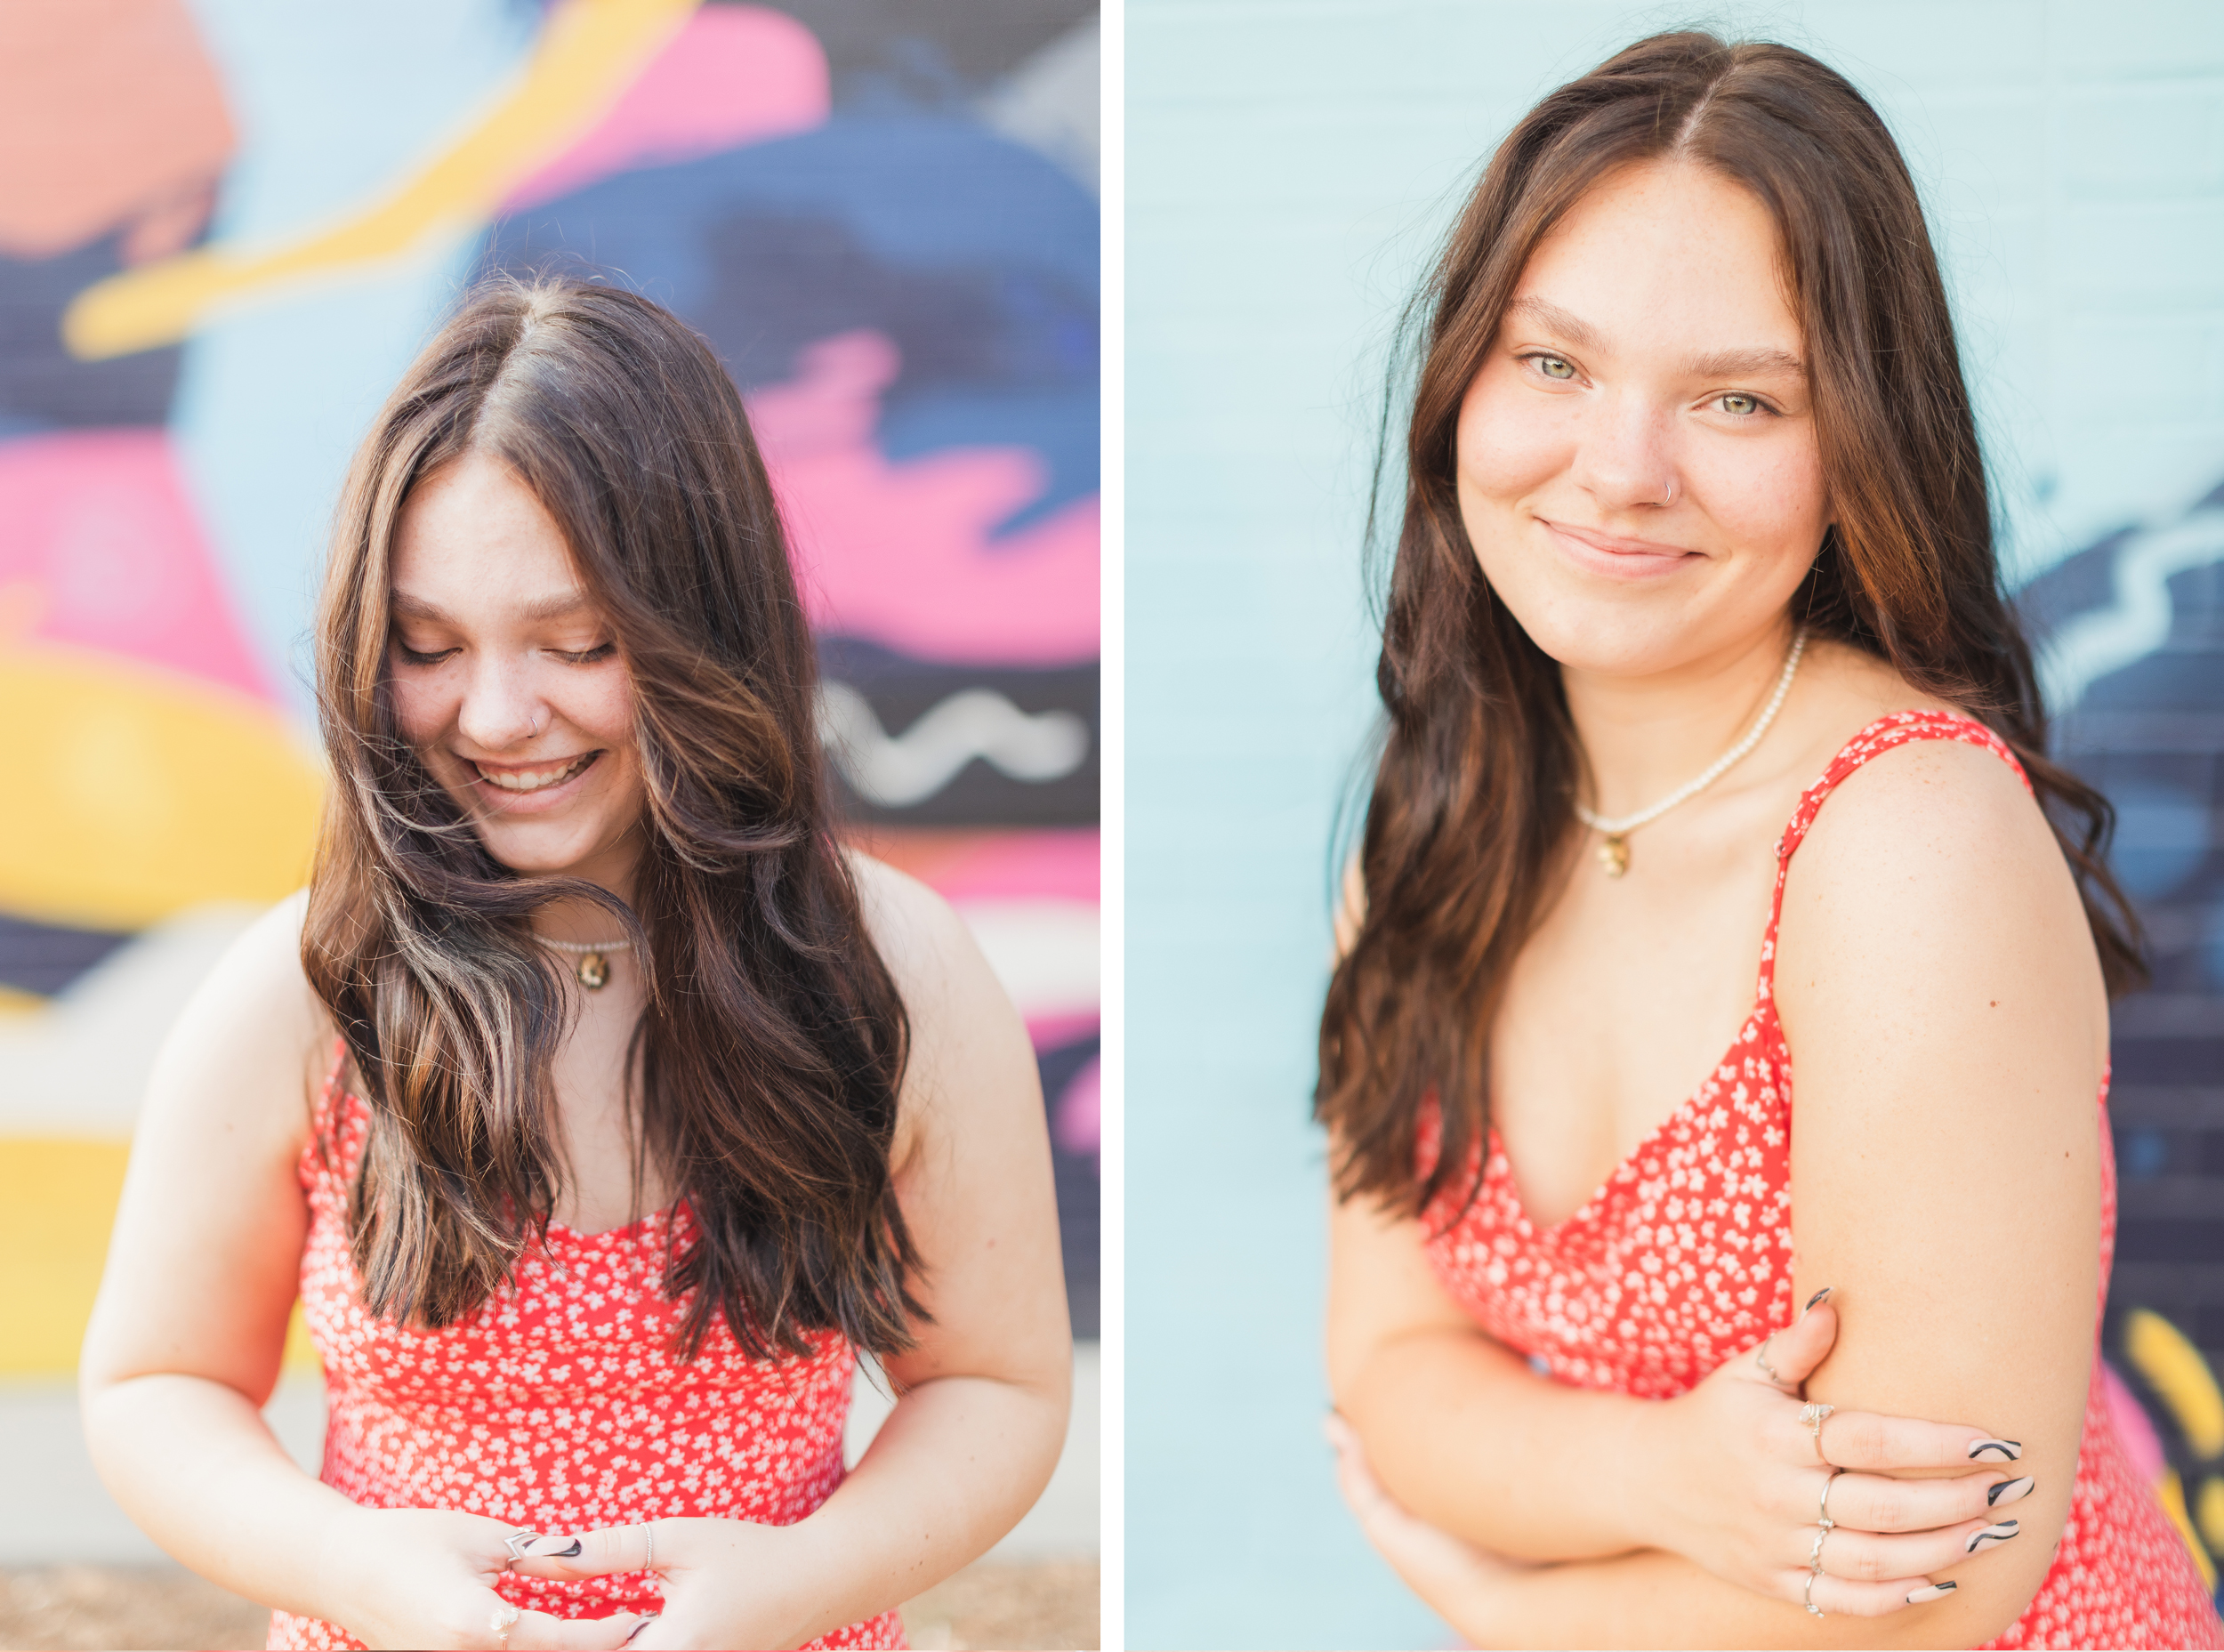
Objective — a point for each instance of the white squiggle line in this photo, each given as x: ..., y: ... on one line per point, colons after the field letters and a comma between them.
x: 975, y: 722
x: 2105, y: 639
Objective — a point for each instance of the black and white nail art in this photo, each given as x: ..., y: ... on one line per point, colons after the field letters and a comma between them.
x: 2009, y: 1491
x: 1936, y: 1591
x: 2010, y: 1450
x: 1999, y: 1532
x: 1817, y: 1297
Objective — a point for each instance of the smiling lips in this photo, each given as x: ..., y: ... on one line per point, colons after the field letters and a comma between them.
x: 1614, y: 557
x: 533, y: 779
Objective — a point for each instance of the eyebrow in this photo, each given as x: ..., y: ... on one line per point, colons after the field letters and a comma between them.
x: 1715, y: 364
x: 562, y: 605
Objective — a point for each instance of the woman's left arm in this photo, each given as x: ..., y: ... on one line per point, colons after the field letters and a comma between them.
x: 983, y: 1395
x: 1942, y: 1001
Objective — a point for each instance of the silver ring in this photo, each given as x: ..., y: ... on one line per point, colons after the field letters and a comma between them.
x: 1815, y: 1555
x: 1806, y: 1596
x: 515, y: 1544
x: 1761, y: 1359
x: 1822, y: 1504
x: 504, y: 1619
x: 1812, y: 1416
x: 649, y: 1527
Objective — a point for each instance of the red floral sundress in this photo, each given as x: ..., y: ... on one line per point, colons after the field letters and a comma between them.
x: 558, y: 1405
x: 1683, y: 1259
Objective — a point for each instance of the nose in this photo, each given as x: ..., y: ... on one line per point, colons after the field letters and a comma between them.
x: 1625, y: 455
x: 502, y: 706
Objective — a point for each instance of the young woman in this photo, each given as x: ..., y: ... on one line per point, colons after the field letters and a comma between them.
x: 598, y: 1106
x: 1693, y: 515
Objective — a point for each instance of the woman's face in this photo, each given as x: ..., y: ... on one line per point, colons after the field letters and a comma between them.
x: 1638, y: 468
x: 507, y: 681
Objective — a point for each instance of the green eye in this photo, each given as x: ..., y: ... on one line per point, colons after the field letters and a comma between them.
x: 1738, y: 402
x: 1553, y: 367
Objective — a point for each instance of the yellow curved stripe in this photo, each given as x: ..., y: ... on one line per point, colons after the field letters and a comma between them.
x: 2208, y: 1509
x: 2174, y: 1367
x: 57, y: 1205
x: 133, y: 793
x: 589, y: 53
x: 2174, y: 1501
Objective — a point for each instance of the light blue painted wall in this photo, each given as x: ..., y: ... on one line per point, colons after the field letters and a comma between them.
x: 1287, y: 165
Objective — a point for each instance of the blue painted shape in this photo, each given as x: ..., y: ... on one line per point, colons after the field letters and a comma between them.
x: 975, y: 254
x: 332, y: 103
x: 2162, y: 836
x: 2146, y: 1153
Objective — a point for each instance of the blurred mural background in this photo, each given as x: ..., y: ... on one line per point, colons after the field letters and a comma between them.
x: 1287, y: 171
x: 225, y: 228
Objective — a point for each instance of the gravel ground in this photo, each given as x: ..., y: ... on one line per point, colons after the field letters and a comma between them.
x: 122, y: 1608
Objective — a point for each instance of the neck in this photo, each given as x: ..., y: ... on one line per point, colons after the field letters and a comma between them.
x: 1642, y: 737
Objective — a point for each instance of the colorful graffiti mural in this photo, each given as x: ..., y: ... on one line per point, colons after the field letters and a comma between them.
x: 225, y: 227
x: 2134, y: 653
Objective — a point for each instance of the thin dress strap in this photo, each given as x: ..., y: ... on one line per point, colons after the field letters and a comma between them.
x: 1899, y: 728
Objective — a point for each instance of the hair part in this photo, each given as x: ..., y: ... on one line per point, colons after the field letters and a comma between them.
x: 1470, y: 818
x: 768, y: 1061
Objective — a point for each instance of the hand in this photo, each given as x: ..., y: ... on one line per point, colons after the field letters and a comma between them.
x: 1471, y: 1588
x: 426, y: 1577
x: 1733, y: 1480
x: 725, y: 1582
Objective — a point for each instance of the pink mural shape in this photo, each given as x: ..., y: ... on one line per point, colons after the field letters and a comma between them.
x: 2134, y: 1427
x: 1079, y: 1126
x: 733, y: 74
x: 904, y: 553
x: 100, y: 541
x: 1025, y: 865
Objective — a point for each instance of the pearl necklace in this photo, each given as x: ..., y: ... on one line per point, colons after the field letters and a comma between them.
x: 1614, y: 850
x: 594, y: 958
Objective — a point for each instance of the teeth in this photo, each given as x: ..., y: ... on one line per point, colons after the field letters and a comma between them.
x: 536, y: 779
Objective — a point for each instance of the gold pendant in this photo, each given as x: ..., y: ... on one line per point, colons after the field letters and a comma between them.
x: 1614, y: 854
x: 594, y: 968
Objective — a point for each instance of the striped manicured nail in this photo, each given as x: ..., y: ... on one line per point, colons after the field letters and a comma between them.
x: 652, y: 1618
x: 567, y: 1549
x: 2010, y: 1450
x: 2008, y: 1491
x: 1817, y: 1297
x: 1936, y: 1591
x: 1999, y: 1532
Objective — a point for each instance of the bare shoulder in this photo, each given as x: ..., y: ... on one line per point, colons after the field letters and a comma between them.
x: 1927, y: 819
x: 1932, y: 891
x: 251, y: 1042
x: 968, y: 1044
x: 919, y: 934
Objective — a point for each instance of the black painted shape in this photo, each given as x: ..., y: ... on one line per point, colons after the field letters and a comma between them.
x: 930, y: 52
x: 41, y: 383
x: 45, y: 958
x: 901, y: 691
x: 1080, y: 1192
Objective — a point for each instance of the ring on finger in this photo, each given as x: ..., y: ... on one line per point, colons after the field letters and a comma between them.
x: 1812, y: 1416
x: 1822, y: 1504
x: 1815, y: 1555
x: 504, y: 1619
x: 1807, y: 1595
x: 515, y: 1544
x: 1761, y: 1359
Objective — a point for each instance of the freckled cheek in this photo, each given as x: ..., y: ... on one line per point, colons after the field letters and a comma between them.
x: 1510, y: 446
x: 1769, y: 502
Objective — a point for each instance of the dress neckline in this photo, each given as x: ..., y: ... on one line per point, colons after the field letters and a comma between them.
x: 1760, y: 1021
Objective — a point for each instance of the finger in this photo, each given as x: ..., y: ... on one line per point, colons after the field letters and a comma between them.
x: 537, y: 1631
x: 1864, y: 1439
x: 1872, y: 1557
x: 570, y: 1555
x: 1874, y: 1502
x: 1838, y: 1597
x: 1355, y: 1475
x: 1800, y: 1346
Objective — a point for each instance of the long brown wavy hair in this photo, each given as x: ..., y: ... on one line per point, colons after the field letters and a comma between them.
x: 773, y: 1042
x: 1472, y: 814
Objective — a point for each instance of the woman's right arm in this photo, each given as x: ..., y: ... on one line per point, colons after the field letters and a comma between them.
x: 186, y: 1338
